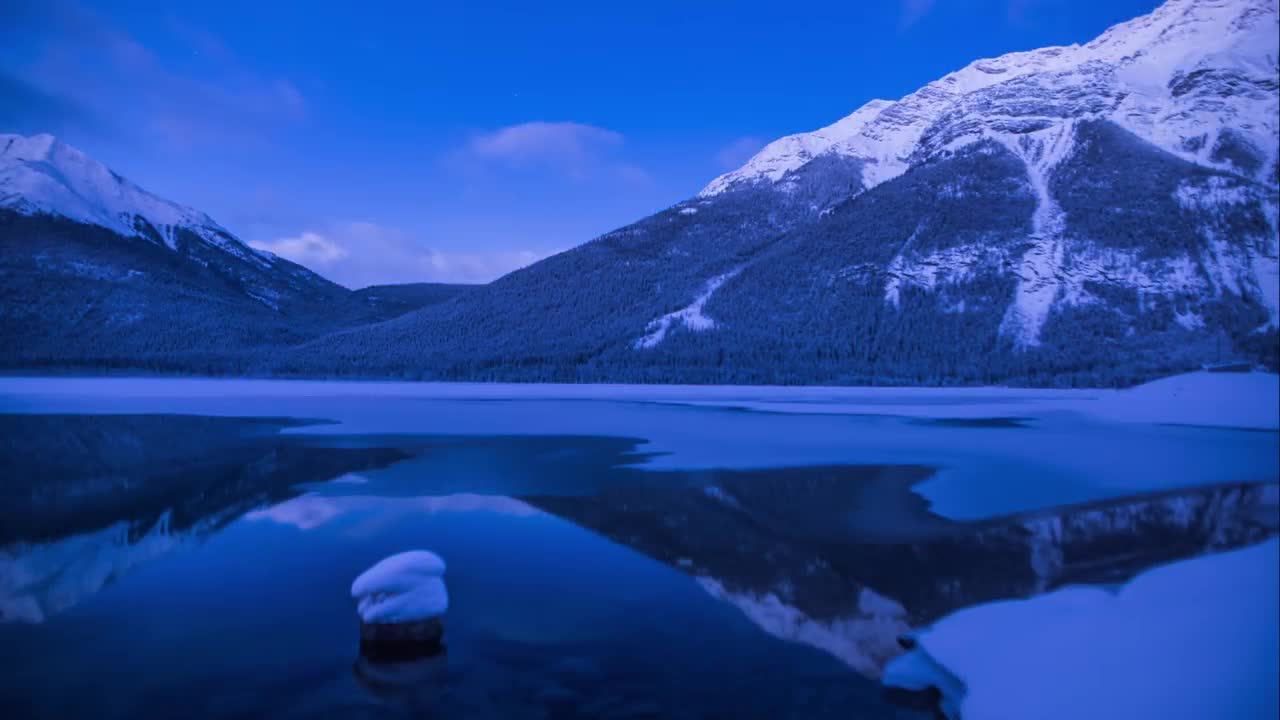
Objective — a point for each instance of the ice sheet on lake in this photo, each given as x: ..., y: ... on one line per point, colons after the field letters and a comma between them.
x: 1244, y: 400
x: 1195, y: 639
x: 1077, y: 446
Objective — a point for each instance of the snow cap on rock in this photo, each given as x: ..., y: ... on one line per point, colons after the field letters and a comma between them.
x: 406, y: 587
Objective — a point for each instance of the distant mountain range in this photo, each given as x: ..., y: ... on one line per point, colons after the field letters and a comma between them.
x: 1093, y: 214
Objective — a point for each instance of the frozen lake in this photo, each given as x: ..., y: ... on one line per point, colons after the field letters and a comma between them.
x: 613, y: 551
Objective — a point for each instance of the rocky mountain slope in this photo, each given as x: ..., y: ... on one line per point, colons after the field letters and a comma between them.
x: 1092, y: 214
x: 98, y: 272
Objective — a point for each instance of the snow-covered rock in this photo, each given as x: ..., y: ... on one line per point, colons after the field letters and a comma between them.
x: 406, y: 587
x: 1195, y: 639
x: 401, y: 600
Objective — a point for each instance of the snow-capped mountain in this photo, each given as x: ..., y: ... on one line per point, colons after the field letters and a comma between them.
x: 1196, y: 78
x: 43, y: 175
x: 1097, y: 213
x: 98, y: 270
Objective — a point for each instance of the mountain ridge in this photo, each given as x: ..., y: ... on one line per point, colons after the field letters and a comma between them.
x: 1027, y: 219
x: 1095, y: 214
x: 98, y: 272
x: 43, y: 175
x: 1244, y: 31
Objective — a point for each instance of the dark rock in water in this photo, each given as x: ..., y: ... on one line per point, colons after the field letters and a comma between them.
x: 400, y: 600
x: 421, y: 678
x: 390, y: 642
x: 928, y: 700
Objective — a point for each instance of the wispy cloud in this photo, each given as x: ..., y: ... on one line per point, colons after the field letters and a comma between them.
x: 75, y: 56
x: 308, y: 248
x: 359, y: 254
x: 733, y: 155
x: 566, y: 148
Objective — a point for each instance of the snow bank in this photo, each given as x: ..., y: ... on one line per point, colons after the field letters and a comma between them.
x: 402, y: 588
x: 1195, y: 639
x: 1242, y: 400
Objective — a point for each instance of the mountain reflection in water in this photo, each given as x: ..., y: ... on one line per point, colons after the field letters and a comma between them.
x: 844, y: 559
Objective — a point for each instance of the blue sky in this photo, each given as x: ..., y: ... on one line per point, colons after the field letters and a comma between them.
x: 457, y: 141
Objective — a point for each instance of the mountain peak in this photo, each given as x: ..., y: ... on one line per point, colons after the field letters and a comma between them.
x: 792, y: 151
x: 1194, y: 77
x: 33, y: 148
x: 40, y: 174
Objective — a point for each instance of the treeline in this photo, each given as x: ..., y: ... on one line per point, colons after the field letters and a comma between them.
x: 83, y: 296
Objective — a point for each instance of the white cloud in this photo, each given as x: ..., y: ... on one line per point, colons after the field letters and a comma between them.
x: 476, y: 267
x: 570, y: 148
x: 360, y: 254
x: 308, y: 248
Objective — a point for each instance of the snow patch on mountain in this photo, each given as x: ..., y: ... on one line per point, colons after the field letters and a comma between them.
x: 1246, y: 266
x: 1039, y: 274
x: 935, y: 269
x: 690, y: 316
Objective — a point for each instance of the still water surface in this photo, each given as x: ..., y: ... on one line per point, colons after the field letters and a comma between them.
x: 156, y: 565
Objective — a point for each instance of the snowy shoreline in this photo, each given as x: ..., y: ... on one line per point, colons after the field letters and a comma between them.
x: 1191, y: 639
